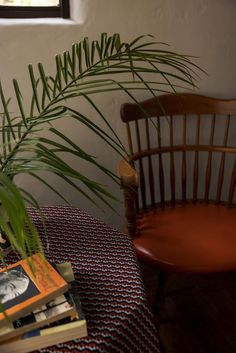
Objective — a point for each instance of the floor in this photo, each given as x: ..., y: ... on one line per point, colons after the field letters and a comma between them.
x: 198, y: 313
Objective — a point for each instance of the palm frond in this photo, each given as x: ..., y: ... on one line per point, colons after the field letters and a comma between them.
x: 21, y: 231
x: 90, y: 67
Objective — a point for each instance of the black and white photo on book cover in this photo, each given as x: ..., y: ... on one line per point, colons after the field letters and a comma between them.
x: 16, y: 287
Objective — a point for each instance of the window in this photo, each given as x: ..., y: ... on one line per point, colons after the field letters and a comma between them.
x: 34, y: 8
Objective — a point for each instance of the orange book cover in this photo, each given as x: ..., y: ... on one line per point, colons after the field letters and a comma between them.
x: 22, y: 290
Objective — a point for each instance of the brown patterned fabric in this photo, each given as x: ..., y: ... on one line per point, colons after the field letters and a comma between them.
x: 110, y: 284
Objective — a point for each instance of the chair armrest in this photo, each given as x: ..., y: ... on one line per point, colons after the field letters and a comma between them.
x: 128, y: 176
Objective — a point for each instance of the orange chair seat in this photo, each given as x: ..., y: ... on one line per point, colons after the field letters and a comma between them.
x: 190, y: 238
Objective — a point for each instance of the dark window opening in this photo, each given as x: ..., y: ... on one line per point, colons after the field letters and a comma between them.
x: 28, y: 9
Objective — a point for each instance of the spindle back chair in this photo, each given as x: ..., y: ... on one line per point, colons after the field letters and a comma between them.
x: 180, y: 180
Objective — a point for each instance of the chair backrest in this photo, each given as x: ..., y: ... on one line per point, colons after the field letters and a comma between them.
x: 183, y: 146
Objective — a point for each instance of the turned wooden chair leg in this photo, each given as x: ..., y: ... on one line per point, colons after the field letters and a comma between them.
x: 160, y: 295
x: 130, y: 210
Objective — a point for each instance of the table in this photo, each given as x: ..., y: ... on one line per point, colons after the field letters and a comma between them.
x: 110, y: 284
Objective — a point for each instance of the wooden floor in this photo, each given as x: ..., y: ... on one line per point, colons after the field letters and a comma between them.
x: 198, y: 312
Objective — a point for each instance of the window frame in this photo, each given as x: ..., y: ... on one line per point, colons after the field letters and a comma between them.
x: 61, y: 11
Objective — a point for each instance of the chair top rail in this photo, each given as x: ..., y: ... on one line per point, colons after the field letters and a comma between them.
x: 177, y: 104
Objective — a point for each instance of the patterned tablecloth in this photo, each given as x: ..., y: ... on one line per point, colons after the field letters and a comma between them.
x: 110, y: 285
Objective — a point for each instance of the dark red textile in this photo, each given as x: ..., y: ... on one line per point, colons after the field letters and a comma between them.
x: 110, y: 284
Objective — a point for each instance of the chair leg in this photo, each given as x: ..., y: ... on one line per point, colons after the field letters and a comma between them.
x: 154, y: 283
x: 160, y: 295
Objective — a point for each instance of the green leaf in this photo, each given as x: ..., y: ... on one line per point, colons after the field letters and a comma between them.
x: 79, y: 56
x: 6, y: 111
x: 43, y: 181
x: 59, y: 72
x: 65, y: 68
x: 19, y: 101
x: 34, y: 86
x: 86, y: 51
x: 44, y: 80
x: 18, y: 230
x: 91, y: 67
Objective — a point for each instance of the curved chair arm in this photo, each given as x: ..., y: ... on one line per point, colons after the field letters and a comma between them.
x: 129, y: 183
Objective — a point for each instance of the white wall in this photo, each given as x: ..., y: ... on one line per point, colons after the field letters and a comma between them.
x: 203, y: 28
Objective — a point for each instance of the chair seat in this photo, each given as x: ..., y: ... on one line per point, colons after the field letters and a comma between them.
x: 190, y: 238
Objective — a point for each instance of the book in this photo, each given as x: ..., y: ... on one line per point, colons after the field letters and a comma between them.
x: 65, y: 270
x: 57, y: 309
x: 58, y: 332
x: 24, y: 288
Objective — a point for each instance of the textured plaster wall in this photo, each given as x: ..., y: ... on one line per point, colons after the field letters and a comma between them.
x: 203, y: 28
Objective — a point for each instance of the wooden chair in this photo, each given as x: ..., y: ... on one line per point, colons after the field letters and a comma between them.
x: 180, y: 180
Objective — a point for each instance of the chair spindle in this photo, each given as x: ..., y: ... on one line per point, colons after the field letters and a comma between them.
x: 150, y: 167
x: 196, y: 161
x: 141, y: 170
x: 232, y: 185
x: 209, y: 160
x: 172, y: 164
x: 222, y: 162
x: 161, y: 169
x: 131, y: 151
x: 184, y: 167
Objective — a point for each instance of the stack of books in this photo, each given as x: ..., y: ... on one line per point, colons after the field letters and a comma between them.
x: 40, y: 306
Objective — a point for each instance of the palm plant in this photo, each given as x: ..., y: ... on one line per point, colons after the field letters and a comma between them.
x: 88, y: 68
